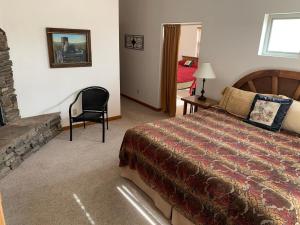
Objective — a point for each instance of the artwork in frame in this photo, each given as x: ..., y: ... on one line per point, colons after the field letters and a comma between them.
x: 135, y: 42
x: 69, y: 47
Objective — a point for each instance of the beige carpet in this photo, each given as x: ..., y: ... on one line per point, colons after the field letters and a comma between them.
x: 78, y: 183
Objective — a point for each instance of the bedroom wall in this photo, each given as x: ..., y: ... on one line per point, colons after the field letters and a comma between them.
x: 1, y: 17
x: 188, y: 41
x: 230, y: 40
x: 43, y: 90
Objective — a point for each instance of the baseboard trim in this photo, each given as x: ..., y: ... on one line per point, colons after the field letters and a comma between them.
x: 78, y: 125
x: 142, y: 103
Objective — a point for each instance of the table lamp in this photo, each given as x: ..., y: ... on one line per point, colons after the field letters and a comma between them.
x: 204, y: 72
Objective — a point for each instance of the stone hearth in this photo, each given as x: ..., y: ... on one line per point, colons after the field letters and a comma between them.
x: 19, y: 138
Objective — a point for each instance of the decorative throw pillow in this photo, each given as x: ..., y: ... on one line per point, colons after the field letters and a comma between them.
x: 188, y: 63
x: 268, y: 112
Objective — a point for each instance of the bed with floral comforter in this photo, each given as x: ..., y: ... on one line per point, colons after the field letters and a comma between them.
x: 216, y: 169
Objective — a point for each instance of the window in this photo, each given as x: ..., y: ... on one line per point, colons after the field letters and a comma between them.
x: 281, y: 35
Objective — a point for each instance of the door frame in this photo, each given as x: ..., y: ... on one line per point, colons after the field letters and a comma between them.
x: 162, y: 45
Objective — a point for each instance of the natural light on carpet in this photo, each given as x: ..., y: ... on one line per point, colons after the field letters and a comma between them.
x: 88, y: 216
x: 140, y: 204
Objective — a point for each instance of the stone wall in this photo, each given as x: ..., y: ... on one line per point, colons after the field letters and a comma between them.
x: 8, y: 98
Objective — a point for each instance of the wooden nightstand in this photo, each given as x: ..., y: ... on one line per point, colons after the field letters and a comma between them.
x: 193, y: 101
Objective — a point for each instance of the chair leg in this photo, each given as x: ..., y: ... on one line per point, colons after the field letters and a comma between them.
x: 103, y: 128
x: 107, y: 120
x: 71, y: 132
x: 84, y: 124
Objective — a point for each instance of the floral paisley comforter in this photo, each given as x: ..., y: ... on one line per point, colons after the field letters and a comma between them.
x: 216, y: 169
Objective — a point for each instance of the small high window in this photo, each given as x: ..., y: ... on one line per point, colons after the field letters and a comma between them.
x: 281, y: 35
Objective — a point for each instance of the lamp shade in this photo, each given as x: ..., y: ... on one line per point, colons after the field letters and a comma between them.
x: 205, y: 72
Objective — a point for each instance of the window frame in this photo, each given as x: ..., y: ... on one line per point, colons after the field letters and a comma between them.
x: 266, y: 35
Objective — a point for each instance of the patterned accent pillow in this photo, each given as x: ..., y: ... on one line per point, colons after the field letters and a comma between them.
x: 268, y: 112
x: 188, y: 63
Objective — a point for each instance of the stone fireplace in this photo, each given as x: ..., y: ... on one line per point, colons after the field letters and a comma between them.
x: 8, y: 98
x: 19, y: 137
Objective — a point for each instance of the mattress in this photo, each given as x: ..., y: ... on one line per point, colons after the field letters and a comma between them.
x: 215, y: 169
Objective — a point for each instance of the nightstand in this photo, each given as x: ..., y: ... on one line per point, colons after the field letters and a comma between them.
x: 194, y: 101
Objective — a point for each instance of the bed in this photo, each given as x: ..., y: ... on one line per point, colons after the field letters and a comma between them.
x: 185, y: 75
x: 221, y: 171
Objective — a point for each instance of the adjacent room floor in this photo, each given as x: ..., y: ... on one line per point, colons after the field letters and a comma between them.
x: 179, y: 103
x: 78, y: 183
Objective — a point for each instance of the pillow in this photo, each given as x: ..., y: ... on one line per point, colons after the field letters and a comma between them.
x: 237, y: 102
x: 188, y: 63
x: 268, y: 112
x: 292, y: 121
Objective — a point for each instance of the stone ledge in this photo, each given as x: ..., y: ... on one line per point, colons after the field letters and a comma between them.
x: 20, y: 139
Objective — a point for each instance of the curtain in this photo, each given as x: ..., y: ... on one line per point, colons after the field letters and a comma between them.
x: 169, y: 68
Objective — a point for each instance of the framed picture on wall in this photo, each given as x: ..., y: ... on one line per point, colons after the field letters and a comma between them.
x: 69, y: 47
x: 135, y: 42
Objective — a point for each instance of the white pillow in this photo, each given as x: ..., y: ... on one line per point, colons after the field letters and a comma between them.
x: 188, y: 63
x: 292, y: 119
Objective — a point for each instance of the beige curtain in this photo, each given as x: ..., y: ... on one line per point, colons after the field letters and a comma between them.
x: 169, y: 68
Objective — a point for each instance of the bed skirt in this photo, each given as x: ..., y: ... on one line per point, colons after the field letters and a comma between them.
x: 165, y: 208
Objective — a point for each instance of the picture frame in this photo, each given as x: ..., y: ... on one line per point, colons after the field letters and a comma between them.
x: 69, y: 47
x: 135, y: 42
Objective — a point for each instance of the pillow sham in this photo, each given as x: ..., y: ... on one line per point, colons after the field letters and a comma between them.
x: 268, y: 112
x: 292, y: 119
x: 237, y: 102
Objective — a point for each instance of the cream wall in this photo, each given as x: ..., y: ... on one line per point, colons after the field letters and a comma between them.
x: 188, y: 41
x: 41, y: 89
x: 230, y: 40
x: 1, y: 17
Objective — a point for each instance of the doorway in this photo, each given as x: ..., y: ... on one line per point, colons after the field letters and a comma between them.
x: 187, y: 60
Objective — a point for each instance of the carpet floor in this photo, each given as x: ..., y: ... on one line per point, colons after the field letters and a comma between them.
x: 78, y: 183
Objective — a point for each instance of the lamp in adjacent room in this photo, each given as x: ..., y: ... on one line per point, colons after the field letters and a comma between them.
x: 204, y: 72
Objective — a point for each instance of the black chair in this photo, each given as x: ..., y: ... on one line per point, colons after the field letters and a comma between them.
x: 94, y: 108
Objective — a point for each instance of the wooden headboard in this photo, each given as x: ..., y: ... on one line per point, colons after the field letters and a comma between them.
x: 195, y: 59
x: 278, y: 82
